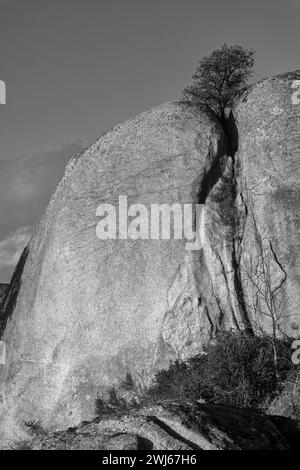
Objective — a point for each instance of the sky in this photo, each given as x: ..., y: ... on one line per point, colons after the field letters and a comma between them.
x: 75, y: 68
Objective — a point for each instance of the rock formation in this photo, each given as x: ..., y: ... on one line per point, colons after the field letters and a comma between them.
x: 89, y: 311
x: 251, y: 270
x: 268, y: 182
x: 167, y: 426
x: 81, y: 313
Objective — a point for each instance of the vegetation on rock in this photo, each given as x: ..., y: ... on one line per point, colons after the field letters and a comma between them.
x: 220, y: 77
x: 237, y: 370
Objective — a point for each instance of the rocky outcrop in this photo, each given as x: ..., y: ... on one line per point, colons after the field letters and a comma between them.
x: 250, y: 272
x: 268, y: 197
x: 168, y: 426
x: 82, y: 313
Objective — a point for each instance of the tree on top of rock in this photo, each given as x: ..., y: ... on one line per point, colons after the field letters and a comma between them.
x: 220, y: 77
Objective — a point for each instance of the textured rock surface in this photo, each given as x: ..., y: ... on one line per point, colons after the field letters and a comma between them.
x: 89, y: 311
x: 251, y: 242
x: 82, y: 313
x: 169, y: 426
x: 268, y: 177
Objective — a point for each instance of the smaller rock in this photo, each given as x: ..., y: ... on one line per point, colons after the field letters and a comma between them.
x: 171, y: 426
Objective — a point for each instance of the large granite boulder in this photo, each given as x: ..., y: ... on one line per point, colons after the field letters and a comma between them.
x: 82, y: 313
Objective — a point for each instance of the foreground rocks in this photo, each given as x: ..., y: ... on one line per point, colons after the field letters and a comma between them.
x: 169, y: 426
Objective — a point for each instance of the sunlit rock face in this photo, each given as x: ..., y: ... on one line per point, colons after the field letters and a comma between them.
x: 268, y: 191
x: 83, y: 312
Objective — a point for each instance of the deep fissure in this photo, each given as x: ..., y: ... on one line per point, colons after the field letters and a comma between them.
x: 209, y: 180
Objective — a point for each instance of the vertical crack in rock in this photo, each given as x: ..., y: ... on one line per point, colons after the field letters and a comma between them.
x: 207, y: 293
x: 189, y: 323
x: 224, y: 219
x: 231, y: 131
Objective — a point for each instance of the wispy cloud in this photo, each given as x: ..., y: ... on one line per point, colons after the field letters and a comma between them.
x: 12, y: 246
x: 26, y: 185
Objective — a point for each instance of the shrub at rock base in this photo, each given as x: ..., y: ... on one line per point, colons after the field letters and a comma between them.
x: 237, y: 370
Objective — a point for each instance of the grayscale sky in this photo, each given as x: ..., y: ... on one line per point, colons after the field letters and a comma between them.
x: 74, y: 68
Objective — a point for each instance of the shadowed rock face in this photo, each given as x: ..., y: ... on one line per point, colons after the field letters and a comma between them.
x: 11, y: 292
x: 89, y: 311
x: 3, y: 291
x: 81, y: 312
x: 168, y: 426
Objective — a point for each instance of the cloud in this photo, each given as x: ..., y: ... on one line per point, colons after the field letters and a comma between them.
x: 26, y: 185
x: 11, y: 249
x: 12, y: 246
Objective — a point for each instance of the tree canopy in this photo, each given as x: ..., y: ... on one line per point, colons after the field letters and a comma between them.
x: 220, y: 77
